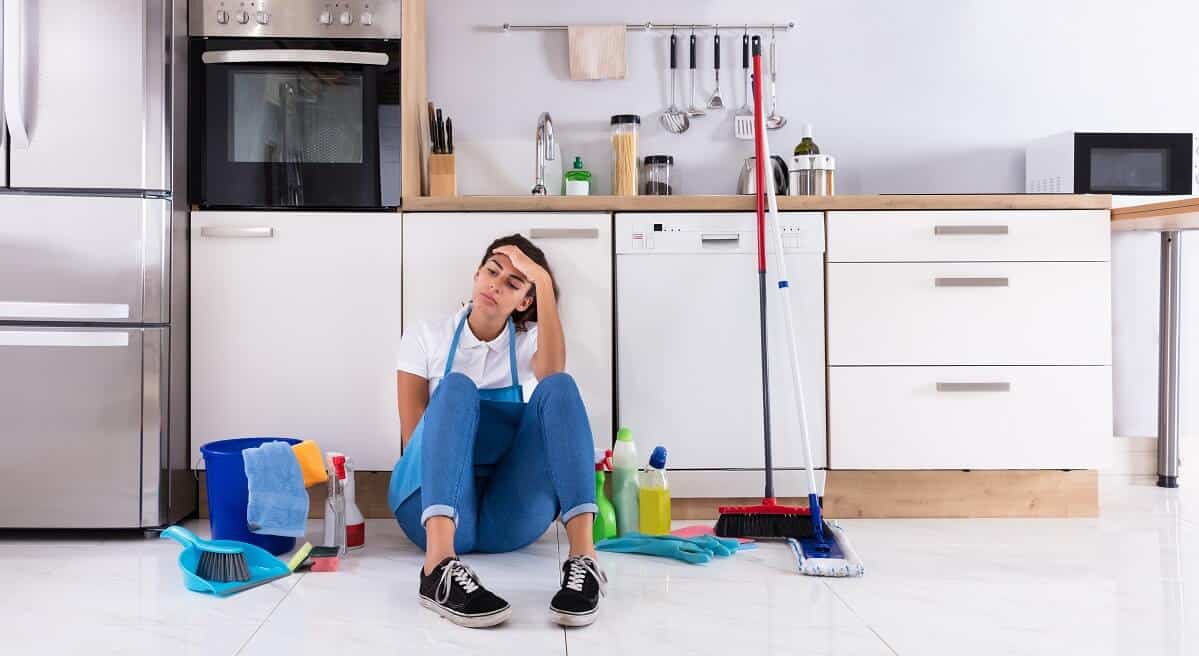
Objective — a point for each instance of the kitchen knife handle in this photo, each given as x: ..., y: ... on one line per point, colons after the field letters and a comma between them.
x: 693, y: 52
x: 674, y: 41
x: 716, y: 55
x: 449, y: 135
x: 745, y: 51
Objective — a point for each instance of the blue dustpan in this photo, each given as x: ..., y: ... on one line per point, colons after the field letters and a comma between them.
x: 263, y: 567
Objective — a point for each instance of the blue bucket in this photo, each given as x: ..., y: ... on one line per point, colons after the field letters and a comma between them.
x: 229, y: 494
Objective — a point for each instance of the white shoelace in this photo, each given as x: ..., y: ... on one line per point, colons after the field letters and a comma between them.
x: 579, y: 567
x: 455, y: 571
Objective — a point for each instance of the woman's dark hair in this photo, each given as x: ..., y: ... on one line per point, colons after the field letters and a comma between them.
x: 520, y: 318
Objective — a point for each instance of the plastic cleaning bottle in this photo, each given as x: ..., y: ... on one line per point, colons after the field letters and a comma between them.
x: 655, y: 495
x: 577, y: 181
x: 335, y: 505
x: 624, y: 483
x: 605, y: 519
x: 355, y: 522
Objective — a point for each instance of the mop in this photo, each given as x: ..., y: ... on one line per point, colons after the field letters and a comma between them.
x: 822, y: 549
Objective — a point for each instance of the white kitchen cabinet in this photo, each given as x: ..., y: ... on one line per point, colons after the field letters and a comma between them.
x: 969, y: 236
x: 970, y: 417
x: 296, y: 330
x: 443, y: 250
x: 969, y: 340
x: 933, y: 313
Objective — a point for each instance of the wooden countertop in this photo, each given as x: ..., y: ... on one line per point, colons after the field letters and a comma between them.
x: 746, y: 203
x: 1158, y: 217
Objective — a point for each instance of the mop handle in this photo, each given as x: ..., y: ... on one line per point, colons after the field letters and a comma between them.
x: 760, y: 160
x: 784, y: 288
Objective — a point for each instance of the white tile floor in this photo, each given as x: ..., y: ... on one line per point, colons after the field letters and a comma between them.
x: 1122, y: 584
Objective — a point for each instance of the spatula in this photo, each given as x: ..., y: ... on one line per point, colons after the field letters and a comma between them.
x: 743, y: 121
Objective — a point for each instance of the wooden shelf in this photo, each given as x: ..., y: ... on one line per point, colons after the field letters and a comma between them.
x: 1158, y: 217
x: 746, y: 203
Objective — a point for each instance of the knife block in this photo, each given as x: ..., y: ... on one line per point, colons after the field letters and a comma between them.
x: 443, y: 175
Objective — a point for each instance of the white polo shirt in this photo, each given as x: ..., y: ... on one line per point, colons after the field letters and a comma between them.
x: 425, y: 347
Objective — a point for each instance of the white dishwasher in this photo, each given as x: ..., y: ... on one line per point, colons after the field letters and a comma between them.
x: 688, y: 359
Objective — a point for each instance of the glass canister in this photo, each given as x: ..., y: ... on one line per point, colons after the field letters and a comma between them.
x: 625, y: 128
x: 801, y: 175
x: 657, y: 175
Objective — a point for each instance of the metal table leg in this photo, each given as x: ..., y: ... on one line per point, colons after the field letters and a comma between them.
x: 1167, y: 371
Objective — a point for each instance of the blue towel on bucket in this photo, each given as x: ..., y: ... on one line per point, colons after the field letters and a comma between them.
x: 278, y: 501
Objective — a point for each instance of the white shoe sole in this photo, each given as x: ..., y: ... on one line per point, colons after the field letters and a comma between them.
x: 571, y: 619
x: 469, y: 621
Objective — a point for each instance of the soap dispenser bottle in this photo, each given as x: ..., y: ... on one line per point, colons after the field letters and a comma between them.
x: 577, y: 181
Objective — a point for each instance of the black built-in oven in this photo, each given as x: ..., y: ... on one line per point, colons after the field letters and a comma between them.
x: 287, y: 123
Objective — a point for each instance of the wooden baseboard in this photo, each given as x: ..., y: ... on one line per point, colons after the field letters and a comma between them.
x: 1008, y: 493
x: 849, y: 494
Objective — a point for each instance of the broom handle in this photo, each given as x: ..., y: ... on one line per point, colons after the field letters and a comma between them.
x: 760, y: 159
x: 785, y: 297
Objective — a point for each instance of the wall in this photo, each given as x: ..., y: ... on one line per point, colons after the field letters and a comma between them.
x: 921, y: 96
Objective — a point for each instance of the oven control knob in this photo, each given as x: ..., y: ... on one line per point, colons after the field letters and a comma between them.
x: 346, y: 18
x: 326, y: 17
x: 263, y: 18
x: 367, y: 18
x: 222, y: 16
x: 242, y: 17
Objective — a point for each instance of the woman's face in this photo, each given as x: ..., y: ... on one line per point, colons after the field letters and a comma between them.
x: 500, y: 289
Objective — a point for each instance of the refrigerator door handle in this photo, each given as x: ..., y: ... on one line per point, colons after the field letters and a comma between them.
x: 65, y: 338
x: 14, y: 96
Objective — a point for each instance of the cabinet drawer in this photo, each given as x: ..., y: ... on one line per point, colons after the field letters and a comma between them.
x: 969, y: 417
x: 984, y: 313
x: 959, y: 236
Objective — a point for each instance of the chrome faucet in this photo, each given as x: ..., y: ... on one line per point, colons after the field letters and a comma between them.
x: 545, y: 150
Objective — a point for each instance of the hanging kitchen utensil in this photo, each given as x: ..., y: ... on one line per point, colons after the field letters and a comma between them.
x: 716, y: 102
x: 674, y: 119
x: 693, y: 110
x: 743, y: 122
x: 774, y: 121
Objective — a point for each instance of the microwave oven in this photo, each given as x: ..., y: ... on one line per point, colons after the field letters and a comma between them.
x: 1117, y: 163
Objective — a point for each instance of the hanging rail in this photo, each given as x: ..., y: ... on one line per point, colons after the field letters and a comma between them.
x: 648, y: 27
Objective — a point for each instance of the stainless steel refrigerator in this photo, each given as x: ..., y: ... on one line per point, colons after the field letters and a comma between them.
x: 93, y: 265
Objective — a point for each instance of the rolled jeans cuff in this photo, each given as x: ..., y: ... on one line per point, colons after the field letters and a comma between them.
x: 578, y: 510
x: 439, y: 510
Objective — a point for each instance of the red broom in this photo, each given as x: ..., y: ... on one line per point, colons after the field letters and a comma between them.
x: 769, y: 519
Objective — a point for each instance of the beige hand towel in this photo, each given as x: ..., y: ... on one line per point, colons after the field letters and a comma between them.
x: 597, y: 52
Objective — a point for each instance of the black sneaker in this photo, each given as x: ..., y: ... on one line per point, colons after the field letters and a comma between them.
x: 452, y: 590
x: 577, y: 603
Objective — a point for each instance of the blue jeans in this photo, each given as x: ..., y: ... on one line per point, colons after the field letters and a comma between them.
x: 503, y: 488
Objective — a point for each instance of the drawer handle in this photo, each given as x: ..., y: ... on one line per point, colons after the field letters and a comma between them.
x: 564, y: 233
x: 971, y: 282
x: 224, y: 232
x: 970, y: 230
x: 719, y: 236
x: 974, y: 387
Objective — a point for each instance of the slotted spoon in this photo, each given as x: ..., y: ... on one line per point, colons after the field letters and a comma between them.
x: 674, y: 119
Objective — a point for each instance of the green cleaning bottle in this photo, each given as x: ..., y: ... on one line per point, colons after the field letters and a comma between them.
x: 577, y: 181
x: 605, y: 519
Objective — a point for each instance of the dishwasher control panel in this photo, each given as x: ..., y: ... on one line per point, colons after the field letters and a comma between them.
x: 732, y: 232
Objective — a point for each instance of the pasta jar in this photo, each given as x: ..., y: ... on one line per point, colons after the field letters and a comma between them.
x: 624, y: 154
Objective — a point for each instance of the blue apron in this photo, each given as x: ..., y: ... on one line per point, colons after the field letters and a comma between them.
x: 500, y: 411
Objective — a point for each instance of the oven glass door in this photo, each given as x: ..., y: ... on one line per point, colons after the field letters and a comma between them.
x: 1147, y: 164
x: 296, y: 125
